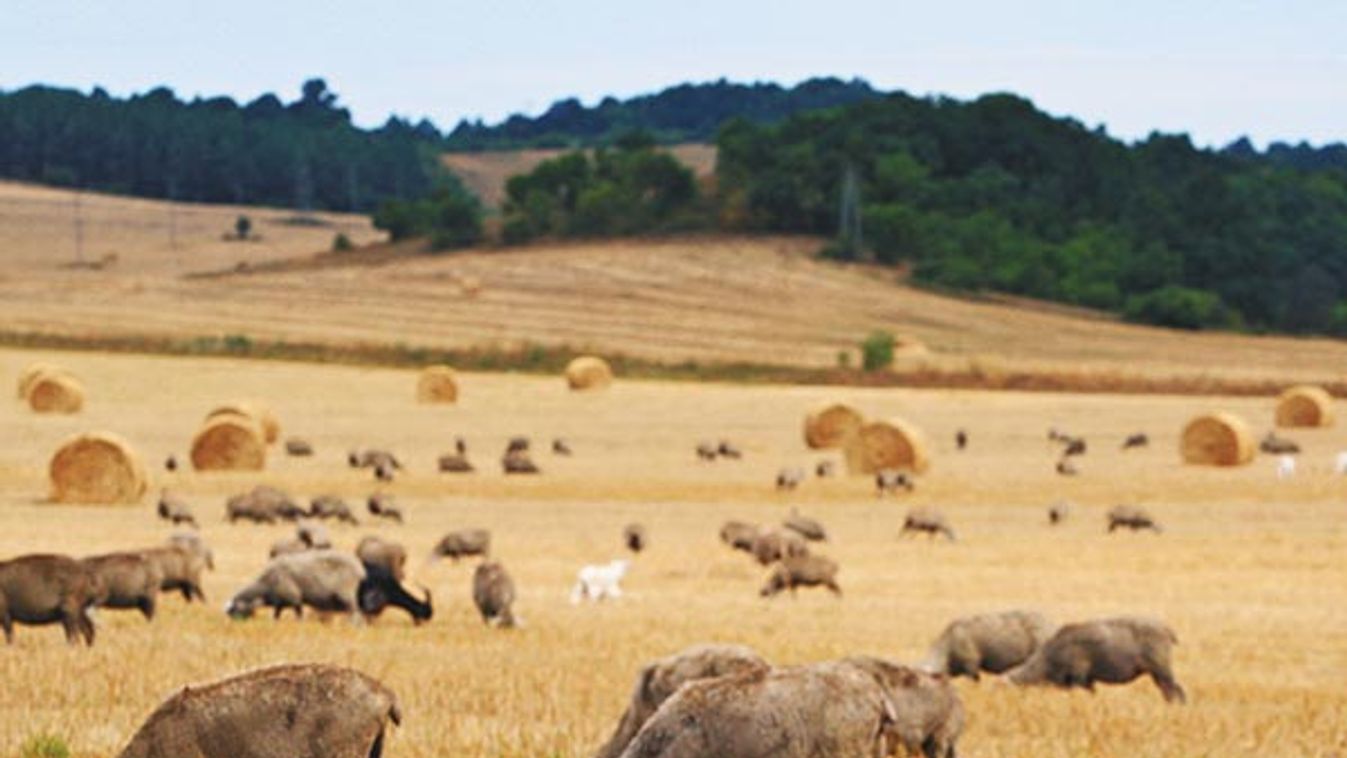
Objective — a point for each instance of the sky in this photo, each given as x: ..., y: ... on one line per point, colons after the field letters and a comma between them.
x: 1218, y: 71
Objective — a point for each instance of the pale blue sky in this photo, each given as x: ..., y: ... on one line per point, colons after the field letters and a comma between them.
x: 1272, y: 70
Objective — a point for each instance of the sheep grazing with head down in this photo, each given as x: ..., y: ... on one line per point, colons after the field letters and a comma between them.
x: 739, y: 535
x: 991, y: 642
x: 493, y: 594
x: 597, y: 582
x: 927, y: 521
x: 795, y: 571
x: 806, y: 527
x: 331, y: 507
x: 1137, y: 440
x: 1131, y: 517
x: 772, y: 545
x: 788, y: 479
x: 462, y: 542
x: 1112, y: 651
x: 175, y: 510
x: 381, y: 505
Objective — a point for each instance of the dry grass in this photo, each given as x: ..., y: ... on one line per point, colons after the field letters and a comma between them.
x: 1250, y: 571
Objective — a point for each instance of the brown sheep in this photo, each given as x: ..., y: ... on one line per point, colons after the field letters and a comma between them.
x: 824, y: 469
x: 264, y: 505
x: 493, y: 594
x: 806, y: 527
x: 787, y: 479
x: 801, y: 571
x: 463, y: 542
x: 1066, y: 468
x: 1113, y: 651
x: 181, y: 562
x: 126, y: 581
x: 455, y: 463
x: 1058, y: 512
x: 373, y: 458
x: 660, y: 679
x: 926, y: 714
x: 518, y: 462
x: 517, y: 445
x: 728, y: 449
x: 961, y: 439
x: 384, y: 554
x: 331, y: 507
x: 307, y: 537
x: 48, y: 589
x: 298, y: 447
x: 288, y: 711
x: 1137, y: 440
x: 634, y: 537
x: 326, y: 580
x: 991, y: 642
x: 174, y: 509
x: 928, y: 521
x: 1274, y: 445
x: 1131, y: 517
x: 382, y: 506
x: 739, y: 535
x: 707, y: 451
x: 889, y: 481
x: 560, y: 447
x: 771, y: 545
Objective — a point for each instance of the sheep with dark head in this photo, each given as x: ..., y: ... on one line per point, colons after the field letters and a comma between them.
x: 1131, y: 517
x: 463, y: 542
x: 928, y: 521
x: 174, y: 509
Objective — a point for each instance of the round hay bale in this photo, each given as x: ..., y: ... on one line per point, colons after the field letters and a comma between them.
x: 588, y: 373
x: 438, y: 384
x: 1305, y: 406
x: 55, y: 393
x: 830, y: 425
x: 229, y: 442
x: 892, y: 444
x: 31, y: 373
x: 97, y: 468
x: 260, y: 414
x: 1217, y: 439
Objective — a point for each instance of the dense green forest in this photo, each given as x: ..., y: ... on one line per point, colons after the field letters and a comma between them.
x: 305, y: 154
x: 683, y: 113
x: 996, y: 195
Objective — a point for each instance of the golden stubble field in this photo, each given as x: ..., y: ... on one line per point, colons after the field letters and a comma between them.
x: 1251, y: 572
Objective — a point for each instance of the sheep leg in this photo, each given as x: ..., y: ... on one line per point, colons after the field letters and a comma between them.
x: 86, y: 625
x: 146, y: 605
x: 832, y: 585
x: 7, y: 624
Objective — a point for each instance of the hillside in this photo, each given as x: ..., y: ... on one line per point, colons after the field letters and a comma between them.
x: 761, y: 300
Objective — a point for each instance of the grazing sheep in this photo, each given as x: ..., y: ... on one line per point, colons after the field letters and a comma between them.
x: 331, y: 507
x: 805, y: 527
x: 383, y: 472
x: 801, y: 571
x: 174, y: 509
x: 382, y: 506
x: 789, y: 478
x: 455, y: 545
x: 1286, y: 467
x: 634, y: 537
x: 517, y: 445
x: 1135, y: 441
x: 518, y: 462
x: 380, y: 589
x: 772, y: 545
x: 1056, y: 435
x: 298, y: 448
x: 1274, y: 445
x: 824, y: 469
x: 126, y: 581
x: 961, y: 439
x: 1066, y: 468
x: 599, y: 581
x: 314, y: 536
x: 263, y: 504
x: 660, y: 679
x: 728, y: 449
x: 707, y: 451
x: 325, y: 580
x: 373, y: 459
x: 181, y: 562
x: 928, y: 521
x: 48, y: 589
x: 1131, y: 517
x: 559, y: 447
x: 493, y: 594
x: 890, y: 481
x: 305, y: 710
x: 385, y: 554
x: 927, y: 716
x: 992, y: 642
x: 1113, y: 651
x: 739, y: 535
x: 455, y: 463
x: 1058, y: 512
x: 1073, y: 446
x: 171, y: 463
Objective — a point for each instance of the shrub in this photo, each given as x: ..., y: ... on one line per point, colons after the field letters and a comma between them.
x: 1181, y: 308
x: 341, y: 243
x: 877, y: 351
x: 44, y: 746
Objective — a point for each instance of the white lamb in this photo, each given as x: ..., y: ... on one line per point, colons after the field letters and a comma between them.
x: 1286, y: 467
x: 599, y: 581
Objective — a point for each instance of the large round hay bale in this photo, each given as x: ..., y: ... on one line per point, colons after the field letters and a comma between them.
x: 51, y: 392
x: 1217, y: 439
x: 260, y: 414
x: 97, y: 468
x: 438, y: 384
x: 31, y: 373
x: 830, y: 425
x: 229, y: 442
x: 588, y: 373
x: 892, y: 444
x: 1305, y: 406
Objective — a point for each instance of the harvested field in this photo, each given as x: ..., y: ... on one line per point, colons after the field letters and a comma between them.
x: 1250, y: 571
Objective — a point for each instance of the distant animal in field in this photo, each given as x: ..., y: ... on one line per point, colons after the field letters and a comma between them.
x: 1066, y: 468
x: 928, y: 521
x: 739, y: 535
x: 307, y: 710
x: 772, y: 545
x: 806, y: 527
x: 298, y: 448
x: 265, y: 505
x: 380, y: 590
x: 171, y: 463
x: 383, y: 506
x: 795, y: 571
x: 1286, y: 466
x: 1134, y: 441
x: 331, y: 507
x: 517, y: 445
x: 728, y: 449
x: 174, y: 509
x: 126, y: 581
x: 384, y: 473
x: 1059, y: 512
x: 373, y: 458
x: 961, y: 439
x: 384, y: 554
x: 634, y: 537
x: 660, y: 679
x: 1274, y: 445
x: 991, y: 642
x: 1131, y: 517
x: 788, y: 479
x: 1073, y: 446
x: 48, y: 589
x: 307, y: 537
x: 325, y: 580
x: 493, y: 594
x: 601, y: 581
x: 181, y: 562
x: 463, y: 542
x: 890, y: 481
x: 560, y: 447
x: 518, y: 462
x: 707, y: 451
x: 455, y: 463
x: 1112, y: 651
x: 825, y: 469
